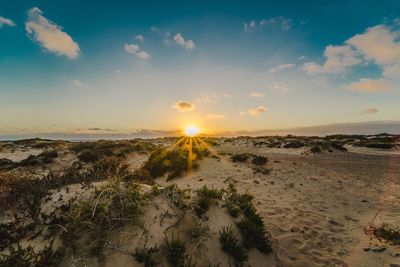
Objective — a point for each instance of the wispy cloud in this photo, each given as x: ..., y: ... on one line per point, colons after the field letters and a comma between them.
x: 379, y: 44
x: 371, y: 85
x: 282, y: 67
x: 257, y: 111
x: 212, y: 116
x: 256, y: 95
x: 139, y: 38
x: 6, y: 21
x: 370, y: 111
x: 338, y: 60
x: 280, y: 22
x: 49, y: 35
x: 79, y: 84
x: 183, y: 106
x: 187, y: 44
x: 136, y: 50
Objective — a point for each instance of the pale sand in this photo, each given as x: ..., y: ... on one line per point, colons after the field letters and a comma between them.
x: 315, y: 207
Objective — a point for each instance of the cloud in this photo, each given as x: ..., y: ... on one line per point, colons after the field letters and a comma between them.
x: 49, y: 35
x: 278, y: 87
x: 139, y: 38
x: 282, y: 67
x: 212, y: 116
x: 280, y: 22
x: 207, y: 98
x: 183, y: 106
x: 135, y: 49
x: 79, y: 84
x: 379, y: 44
x: 256, y: 95
x: 6, y: 21
x: 371, y: 85
x: 187, y: 44
x: 257, y: 111
x: 370, y: 111
x: 338, y: 60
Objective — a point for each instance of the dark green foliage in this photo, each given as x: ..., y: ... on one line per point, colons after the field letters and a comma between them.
x: 162, y: 161
x: 27, y: 257
x: 9, y: 234
x: 259, y: 160
x: 6, y: 164
x: 387, y: 233
x: 316, y: 149
x: 338, y: 146
x: 251, y: 227
x: 294, y: 144
x: 240, y: 157
x: 204, y: 199
x: 175, y: 251
x: 254, y: 234
x: 88, y: 156
x: 230, y: 244
x: 48, y: 156
x: 147, y: 256
x: 381, y: 145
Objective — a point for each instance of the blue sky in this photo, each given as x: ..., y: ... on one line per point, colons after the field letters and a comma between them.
x: 68, y: 66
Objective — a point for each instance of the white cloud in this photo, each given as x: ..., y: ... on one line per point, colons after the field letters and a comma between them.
x: 183, y: 106
x: 257, y: 111
x: 187, y: 44
x: 338, y: 60
x: 281, y: 22
x: 302, y: 57
x: 135, y: 49
x: 282, y: 67
x: 79, y: 84
x: 280, y: 87
x: 256, y: 95
x: 207, y: 98
x: 212, y: 116
x: 6, y: 21
x: 139, y: 38
x: 49, y: 35
x: 379, y: 44
x: 371, y: 85
x: 370, y: 111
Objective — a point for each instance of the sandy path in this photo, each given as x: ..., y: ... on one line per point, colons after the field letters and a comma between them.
x: 316, y: 207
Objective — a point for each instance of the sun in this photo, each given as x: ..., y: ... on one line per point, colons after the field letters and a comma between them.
x: 191, y: 131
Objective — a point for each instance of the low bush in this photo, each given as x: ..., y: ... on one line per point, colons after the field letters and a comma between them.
x: 259, y: 160
x: 388, y: 233
x: 240, y: 157
x: 230, y: 243
x: 175, y: 251
x: 147, y: 255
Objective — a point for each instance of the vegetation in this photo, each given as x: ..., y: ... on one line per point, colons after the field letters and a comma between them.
x: 259, y: 160
x: 240, y: 157
x: 230, y: 243
x: 204, y: 199
x: 175, y: 251
x: 147, y: 256
x: 387, y: 233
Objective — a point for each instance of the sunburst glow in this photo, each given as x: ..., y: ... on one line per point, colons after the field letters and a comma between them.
x: 192, y: 131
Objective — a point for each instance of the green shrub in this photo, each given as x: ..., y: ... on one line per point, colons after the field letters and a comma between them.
x: 387, y: 233
x: 175, y: 250
x: 146, y: 255
x: 259, y: 160
x: 240, y: 157
x: 230, y: 243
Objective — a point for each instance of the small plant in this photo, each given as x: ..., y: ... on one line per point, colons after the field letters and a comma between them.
x: 240, y: 157
x: 147, y: 255
x: 316, y: 149
x: 259, y: 160
x: 387, y: 233
x: 204, y: 199
x: 254, y: 234
x: 230, y: 244
x: 175, y: 250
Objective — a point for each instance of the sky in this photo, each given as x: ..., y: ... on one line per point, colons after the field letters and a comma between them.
x: 124, y: 66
